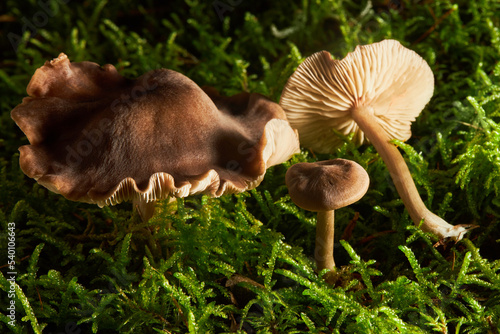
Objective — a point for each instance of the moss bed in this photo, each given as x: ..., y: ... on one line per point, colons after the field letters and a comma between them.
x: 244, y: 263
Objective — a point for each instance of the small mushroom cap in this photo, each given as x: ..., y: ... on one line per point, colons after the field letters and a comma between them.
x: 326, y: 185
x: 385, y: 78
x: 98, y: 137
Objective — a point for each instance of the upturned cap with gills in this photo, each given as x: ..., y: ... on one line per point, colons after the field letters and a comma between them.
x: 98, y: 137
x: 384, y: 79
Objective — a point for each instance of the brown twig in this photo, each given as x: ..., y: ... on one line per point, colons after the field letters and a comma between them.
x: 434, y: 26
x: 39, y: 297
x: 350, y: 227
x: 376, y: 235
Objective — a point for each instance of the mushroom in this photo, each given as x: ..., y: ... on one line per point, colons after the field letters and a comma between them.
x: 324, y: 187
x: 375, y: 91
x: 100, y: 138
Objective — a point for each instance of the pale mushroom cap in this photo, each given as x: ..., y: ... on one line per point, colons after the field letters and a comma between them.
x: 98, y: 137
x: 387, y: 78
x: 326, y: 185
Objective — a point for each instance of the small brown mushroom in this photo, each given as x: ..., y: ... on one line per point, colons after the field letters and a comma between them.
x: 100, y: 138
x: 324, y: 187
x: 375, y: 91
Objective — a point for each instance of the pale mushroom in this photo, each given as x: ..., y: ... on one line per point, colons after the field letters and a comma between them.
x: 100, y: 138
x: 375, y: 91
x: 324, y: 187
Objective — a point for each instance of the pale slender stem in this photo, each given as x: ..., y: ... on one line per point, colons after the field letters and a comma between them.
x: 325, y: 227
x: 402, y: 178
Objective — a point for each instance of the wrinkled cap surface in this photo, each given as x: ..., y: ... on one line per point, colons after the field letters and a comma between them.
x: 326, y: 185
x: 393, y: 81
x: 98, y: 137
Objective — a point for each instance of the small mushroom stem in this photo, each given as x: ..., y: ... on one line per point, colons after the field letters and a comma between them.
x: 323, y: 253
x: 145, y: 209
x: 401, y: 176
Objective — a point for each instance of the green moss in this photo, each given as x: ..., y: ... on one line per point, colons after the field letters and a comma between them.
x: 243, y: 263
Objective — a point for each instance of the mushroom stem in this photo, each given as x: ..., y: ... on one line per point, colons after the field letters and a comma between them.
x: 401, y: 176
x: 323, y: 253
x: 145, y: 209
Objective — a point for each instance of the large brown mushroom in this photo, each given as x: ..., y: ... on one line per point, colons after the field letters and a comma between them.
x: 375, y: 91
x: 100, y: 138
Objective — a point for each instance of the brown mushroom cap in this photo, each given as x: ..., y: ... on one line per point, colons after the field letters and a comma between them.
x: 326, y: 185
x: 391, y: 81
x: 98, y: 137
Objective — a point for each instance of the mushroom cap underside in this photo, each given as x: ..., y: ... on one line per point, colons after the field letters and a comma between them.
x: 385, y: 78
x: 326, y: 185
x: 97, y: 137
